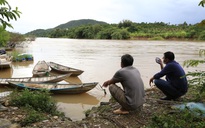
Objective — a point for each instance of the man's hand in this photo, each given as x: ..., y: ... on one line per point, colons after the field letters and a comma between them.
x: 158, y: 60
x: 106, y: 83
x: 151, y: 81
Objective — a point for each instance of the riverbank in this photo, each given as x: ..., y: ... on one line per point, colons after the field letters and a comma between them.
x: 98, y: 117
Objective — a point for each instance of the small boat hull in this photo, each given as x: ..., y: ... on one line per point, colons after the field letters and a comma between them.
x: 41, y: 69
x: 55, y: 88
x: 64, y: 69
x: 46, y: 79
x: 4, y: 63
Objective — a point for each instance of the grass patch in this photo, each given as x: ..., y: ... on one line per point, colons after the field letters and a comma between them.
x: 37, y: 104
x: 178, y: 119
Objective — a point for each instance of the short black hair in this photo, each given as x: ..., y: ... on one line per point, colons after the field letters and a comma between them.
x: 169, y: 55
x: 127, y: 60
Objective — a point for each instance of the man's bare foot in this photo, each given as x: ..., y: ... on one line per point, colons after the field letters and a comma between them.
x: 120, y: 111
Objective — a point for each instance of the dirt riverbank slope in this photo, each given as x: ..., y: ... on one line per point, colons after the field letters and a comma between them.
x: 99, y: 117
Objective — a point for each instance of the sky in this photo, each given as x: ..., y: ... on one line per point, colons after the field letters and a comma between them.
x: 45, y: 14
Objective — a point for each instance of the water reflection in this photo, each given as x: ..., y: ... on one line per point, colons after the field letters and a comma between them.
x: 6, y: 73
x: 74, y: 106
x: 84, y: 98
x: 22, y: 64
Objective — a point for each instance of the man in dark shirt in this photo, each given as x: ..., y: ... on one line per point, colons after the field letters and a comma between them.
x: 175, y: 84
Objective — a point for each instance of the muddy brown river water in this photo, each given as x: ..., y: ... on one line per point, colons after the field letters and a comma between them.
x: 99, y: 59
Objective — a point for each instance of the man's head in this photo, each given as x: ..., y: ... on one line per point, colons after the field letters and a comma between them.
x: 168, y: 56
x: 126, y: 60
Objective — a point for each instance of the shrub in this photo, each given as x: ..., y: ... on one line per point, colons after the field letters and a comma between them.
x: 38, y: 100
x: 202, y: 36
x: 32, y: 116
x: 178, y: 119
x: 197, y: 80
x: 37, y: 104
x: 157, y: 38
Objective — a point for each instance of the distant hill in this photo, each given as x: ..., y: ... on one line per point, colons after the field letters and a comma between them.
x: 70, y: 24
x: 75, y: 23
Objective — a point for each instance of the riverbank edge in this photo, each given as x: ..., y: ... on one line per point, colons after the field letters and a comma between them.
x: 101, y: 116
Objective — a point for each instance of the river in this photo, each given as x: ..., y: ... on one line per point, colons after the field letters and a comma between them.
x: 99, y: 59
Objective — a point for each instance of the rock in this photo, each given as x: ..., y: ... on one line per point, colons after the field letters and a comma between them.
x: 15, y: 126
x: 55, y: 117
x: 2, y: 108
x: 44, y: 121
x: 6, y: 103
x: 14, y: 108
x: 5, y: 123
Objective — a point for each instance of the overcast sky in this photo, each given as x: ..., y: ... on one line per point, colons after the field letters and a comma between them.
x: 44, y: 14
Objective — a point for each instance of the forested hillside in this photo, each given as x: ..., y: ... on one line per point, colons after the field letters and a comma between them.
x: 76, y: 23
x: 126, y: 29
x: 70, y: 24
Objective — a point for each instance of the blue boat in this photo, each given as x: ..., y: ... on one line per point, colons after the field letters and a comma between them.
x: 24, y: 57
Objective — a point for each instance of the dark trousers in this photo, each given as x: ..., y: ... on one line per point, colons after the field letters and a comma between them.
x: 167, y: 89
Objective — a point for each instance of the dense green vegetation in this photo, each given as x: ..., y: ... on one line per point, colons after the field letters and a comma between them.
x: 92, y: 29
x: 10, y: 39
x: 126, y: 29
x: 37, y: 104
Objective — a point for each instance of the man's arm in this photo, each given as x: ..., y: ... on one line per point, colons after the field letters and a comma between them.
x: 161, y: 66
x: 108, y: 82
x: 151, y: 81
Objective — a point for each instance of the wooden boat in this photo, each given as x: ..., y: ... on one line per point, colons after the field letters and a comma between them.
x: 6, y: 57
x: 46, y: 79
x: 41, y: 69
x: 55, y: 88
x: 5, y: 63
x: 64, y: 69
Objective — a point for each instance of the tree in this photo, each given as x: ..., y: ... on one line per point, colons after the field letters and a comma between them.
x: 7, y: 14
x: 202, y: 3
x: 125, y: 24
x: 4, y: 37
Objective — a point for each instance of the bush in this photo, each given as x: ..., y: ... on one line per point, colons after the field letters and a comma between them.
x: 37, y: 104
x: 32, y: 117
x: 157, y: 38
x: 197, y: 80
x: 178, y: 119
x: 202, y: 36
x: 38, y: 100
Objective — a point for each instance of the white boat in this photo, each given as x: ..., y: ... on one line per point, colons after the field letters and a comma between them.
x: 5, y: 63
